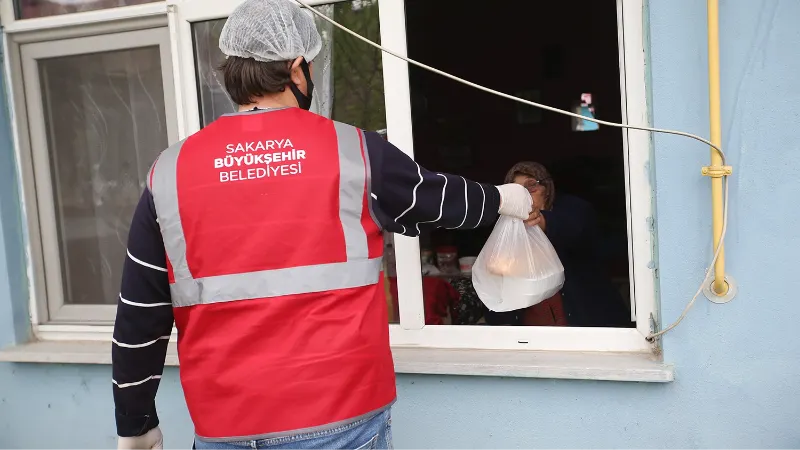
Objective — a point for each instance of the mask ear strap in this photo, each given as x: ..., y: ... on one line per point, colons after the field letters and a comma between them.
x: 303, y: 100
x: 307, y: 72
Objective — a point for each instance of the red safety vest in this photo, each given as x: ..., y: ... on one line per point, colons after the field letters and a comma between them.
x: 274, y: 263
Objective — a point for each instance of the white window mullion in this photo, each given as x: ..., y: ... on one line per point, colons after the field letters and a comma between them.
x: 624, y: 106
x: 640, y: 189
x: 187, y: 73
x: 174, y: 26
x: 398, y: 121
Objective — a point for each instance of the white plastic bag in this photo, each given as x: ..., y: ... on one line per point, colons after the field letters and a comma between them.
x: 517, y: 267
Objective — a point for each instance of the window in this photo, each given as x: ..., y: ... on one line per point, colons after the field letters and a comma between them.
x: 128, y: 87
x: 453, y: 128
x: 100, y: 109
x: 458, y: 130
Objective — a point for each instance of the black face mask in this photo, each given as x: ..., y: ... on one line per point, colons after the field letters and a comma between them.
x: 304, y: 101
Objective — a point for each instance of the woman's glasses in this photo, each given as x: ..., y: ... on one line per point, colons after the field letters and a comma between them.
x: 532, y: 184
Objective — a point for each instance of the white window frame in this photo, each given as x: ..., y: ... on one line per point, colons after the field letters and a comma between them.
x: 412, y: 332
x: 24, y: 50
x: 639, y: 194
x: 58, y: 310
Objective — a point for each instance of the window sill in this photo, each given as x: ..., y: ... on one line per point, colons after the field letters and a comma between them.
x: 636, y: 367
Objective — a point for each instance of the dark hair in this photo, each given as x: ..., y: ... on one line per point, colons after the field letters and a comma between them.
x: 247, y: 79
x: 539, y: 173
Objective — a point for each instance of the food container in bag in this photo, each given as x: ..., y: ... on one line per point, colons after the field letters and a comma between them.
x: 517, y: 267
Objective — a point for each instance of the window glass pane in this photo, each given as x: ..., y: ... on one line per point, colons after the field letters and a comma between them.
x: 466, y: 132
x: 105, y: 120
x: 29, y: 9
x: 348, y: 74
x: 212, y: 98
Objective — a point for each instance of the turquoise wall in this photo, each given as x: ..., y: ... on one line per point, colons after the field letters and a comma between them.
x: 736, y: 382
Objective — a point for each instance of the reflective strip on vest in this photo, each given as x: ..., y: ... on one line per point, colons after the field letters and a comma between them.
x: 358, y: 271
x: 165, y: 198
x: 352, y: 185
x: 276, y: 283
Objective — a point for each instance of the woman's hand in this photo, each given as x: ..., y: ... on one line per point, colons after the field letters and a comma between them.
x: 536, y: 218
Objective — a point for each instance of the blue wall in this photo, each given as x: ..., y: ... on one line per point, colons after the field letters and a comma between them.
x: 737, y: 365
x: 13, y: 279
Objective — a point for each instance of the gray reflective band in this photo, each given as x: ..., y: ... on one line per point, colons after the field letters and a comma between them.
x: 357, y: 271
x: 165, y: 198
x: 276, y: 283
x: 352, y: 186
x: 369, y: 180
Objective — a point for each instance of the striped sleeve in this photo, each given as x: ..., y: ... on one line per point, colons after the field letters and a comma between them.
x: 143, y: 324
x: 408, y: 199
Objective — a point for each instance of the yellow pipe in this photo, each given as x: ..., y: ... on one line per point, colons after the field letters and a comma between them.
x: 716, y: 170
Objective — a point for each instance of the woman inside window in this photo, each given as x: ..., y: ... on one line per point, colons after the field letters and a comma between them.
x: 588, y: 298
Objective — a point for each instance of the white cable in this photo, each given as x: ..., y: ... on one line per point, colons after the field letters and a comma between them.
x: 653, y: 336
x: 709, y: 271
x: 502, y: 94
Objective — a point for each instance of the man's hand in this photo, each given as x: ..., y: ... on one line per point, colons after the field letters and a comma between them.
x: 536, y: 218
x: 515, y: 201
x: 153, y: 439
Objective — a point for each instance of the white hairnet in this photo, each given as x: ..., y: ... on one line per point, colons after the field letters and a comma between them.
x: 270, y: 30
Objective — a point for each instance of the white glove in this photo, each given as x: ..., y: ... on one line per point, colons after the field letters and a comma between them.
x: 153, y: 439
x: 515, y: 201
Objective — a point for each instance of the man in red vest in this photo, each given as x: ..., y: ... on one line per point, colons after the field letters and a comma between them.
x: 260, y: 237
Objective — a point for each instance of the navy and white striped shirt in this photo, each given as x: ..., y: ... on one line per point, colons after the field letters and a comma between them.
x: 406, y: 199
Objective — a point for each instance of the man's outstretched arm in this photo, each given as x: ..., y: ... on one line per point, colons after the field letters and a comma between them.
x: 408, y: 199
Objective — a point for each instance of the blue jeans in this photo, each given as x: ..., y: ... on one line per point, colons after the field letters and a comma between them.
x: 374, y: 433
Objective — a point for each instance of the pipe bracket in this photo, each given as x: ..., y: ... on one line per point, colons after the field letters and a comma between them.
x: 733, y: 289
x: 717, y: 171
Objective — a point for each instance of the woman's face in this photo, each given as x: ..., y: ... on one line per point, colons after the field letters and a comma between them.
x: 538, y: 192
